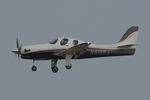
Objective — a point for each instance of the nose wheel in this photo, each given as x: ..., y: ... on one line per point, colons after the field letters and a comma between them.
x: 34, y: 68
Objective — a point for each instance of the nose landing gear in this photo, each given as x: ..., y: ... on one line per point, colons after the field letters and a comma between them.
x: 34, y: 68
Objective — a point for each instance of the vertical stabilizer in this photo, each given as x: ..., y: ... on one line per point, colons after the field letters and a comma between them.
x: 130, y: 37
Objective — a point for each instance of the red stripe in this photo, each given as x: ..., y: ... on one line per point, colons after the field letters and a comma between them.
x: 99, y: 49
x: 52, y: 50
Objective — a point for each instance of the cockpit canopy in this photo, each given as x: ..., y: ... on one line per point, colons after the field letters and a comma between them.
x: 63, y: 41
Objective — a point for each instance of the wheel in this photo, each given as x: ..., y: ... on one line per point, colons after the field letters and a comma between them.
x: 55, y: 69
x: 34, y: 68
x: 68, y: 67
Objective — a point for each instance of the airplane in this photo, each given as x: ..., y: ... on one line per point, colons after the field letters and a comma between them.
x: 67, y: 48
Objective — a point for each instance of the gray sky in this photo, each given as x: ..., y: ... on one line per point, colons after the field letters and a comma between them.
x: 98, y: 21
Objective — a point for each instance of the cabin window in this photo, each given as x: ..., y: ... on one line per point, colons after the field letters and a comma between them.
x: 27, y: 50
x: 75, y: 42
x: 64, y: 41
x: 53, y: 41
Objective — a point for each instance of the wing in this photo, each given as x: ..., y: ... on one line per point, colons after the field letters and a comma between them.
x: 75, y: 51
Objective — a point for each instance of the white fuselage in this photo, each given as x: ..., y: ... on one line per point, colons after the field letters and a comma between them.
x: 47, y: 51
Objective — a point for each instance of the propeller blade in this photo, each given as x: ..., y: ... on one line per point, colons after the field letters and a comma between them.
x: 18, y: 47
x: 17, y: 43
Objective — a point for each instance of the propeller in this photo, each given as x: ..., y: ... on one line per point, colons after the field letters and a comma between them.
x: 18, y: 47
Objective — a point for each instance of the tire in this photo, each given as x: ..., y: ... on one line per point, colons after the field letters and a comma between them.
x: 54, y: 69
x: 34, y: 68
x: 68, y: 67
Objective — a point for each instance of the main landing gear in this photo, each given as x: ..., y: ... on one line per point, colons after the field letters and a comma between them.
x: 53, y: 65
x: 68, y: 60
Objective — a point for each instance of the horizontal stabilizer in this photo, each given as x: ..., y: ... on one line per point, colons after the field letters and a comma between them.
x: 127, y: 46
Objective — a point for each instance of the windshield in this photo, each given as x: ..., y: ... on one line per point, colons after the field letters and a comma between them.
x: 53, y: 41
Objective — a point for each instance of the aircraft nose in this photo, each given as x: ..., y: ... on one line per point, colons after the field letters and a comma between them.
x: 15, y: 51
